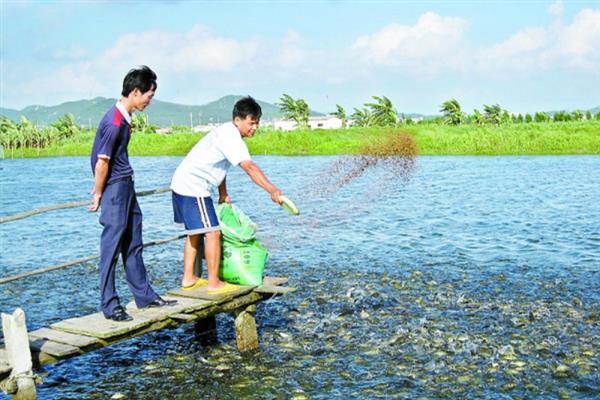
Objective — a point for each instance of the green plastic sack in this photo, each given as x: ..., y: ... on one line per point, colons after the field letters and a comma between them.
x: 243, y: 265
x: 236, y: 227
x: 243, y: 258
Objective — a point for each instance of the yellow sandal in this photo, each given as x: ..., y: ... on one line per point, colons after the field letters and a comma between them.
x: 198, y: 284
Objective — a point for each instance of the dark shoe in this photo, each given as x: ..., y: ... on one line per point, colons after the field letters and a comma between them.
x: 120, y: 315
x: 160, y: 302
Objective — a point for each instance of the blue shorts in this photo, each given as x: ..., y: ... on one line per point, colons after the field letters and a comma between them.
x: 197, y: 214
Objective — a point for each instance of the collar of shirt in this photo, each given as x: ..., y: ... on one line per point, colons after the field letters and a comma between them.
x: 124, y: 112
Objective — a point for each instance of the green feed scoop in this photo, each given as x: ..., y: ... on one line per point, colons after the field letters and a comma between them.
x: 289, y: 205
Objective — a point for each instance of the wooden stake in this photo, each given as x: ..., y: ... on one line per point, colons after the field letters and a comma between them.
x: 19, y: 355
x: 245, y: 329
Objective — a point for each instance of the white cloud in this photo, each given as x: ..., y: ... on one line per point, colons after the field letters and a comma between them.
x: 436, y: 45
x: 432, y: 39
x: 578, y: 44
x: 200, y: 65
x: 197, y: 50
x: 520, y: 52
x: 185, y: 56
x: 557, y: 8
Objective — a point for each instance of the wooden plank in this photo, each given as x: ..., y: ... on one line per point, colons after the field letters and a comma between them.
x: 55, y: 349
x: 274, y: 280
x: 184, y: 305
x: 272, y: 289
x: 203, y: 293
x: 97, y: 326
x: 64, y: 337
x: 183, y: 317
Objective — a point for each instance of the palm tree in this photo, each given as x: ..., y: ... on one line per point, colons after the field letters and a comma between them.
x: 493, y: 114
x: 139, y: 123
x: 7, y: 126
x: 341, y: 114
x: 26, y: 131
x: 477, y: 118
x: 303, y: 112
x: 577, y: 115
x: 383, y: 111
x: 287, y: 105
x: 296, y: 110
x: 66, y: 126
x: 362, y: 117
x: 541, y: 117
x: 452, y: 112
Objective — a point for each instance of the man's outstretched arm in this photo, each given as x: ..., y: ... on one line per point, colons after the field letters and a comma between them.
x: 261, y: 180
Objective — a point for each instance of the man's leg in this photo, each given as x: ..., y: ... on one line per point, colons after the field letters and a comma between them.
x: 131, y: 249
x: 213, y: 258
x: 113, y: 218
x: 190, y: 252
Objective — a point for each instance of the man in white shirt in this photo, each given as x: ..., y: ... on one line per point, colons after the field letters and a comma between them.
x: 203, y: 169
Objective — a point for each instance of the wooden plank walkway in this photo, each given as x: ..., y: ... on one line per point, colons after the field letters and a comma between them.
x: 76, y: 336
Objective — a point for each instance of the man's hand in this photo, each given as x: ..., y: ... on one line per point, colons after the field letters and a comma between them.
x: 95, y: 201
x: 224, y: 199
x: 275, y: 196
x: 100, y: 177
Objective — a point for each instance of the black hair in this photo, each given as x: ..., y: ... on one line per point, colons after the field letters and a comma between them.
x: 142, y: 78
x: 247, y: 106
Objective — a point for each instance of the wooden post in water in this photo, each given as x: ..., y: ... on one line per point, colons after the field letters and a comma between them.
x: 206, y: 330
x: 21, y: 382
x: 245, y: 329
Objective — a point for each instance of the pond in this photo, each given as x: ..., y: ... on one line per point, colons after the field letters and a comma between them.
x: 470, y: 277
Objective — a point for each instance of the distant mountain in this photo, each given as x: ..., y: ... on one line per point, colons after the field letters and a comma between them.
x: 161, y: 113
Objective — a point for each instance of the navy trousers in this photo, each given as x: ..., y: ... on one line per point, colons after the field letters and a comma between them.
x: 121, y: 217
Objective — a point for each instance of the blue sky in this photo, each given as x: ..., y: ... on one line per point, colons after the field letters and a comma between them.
x: 524, y: 55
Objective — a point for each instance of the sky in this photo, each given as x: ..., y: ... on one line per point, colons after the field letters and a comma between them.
x: 526, y: 56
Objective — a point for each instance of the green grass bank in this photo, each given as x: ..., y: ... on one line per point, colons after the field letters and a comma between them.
x: 432, y: 139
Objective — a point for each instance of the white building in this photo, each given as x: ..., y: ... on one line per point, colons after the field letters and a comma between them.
x: 324, y: 122
x: 284, y: 124
x: 204, y: 128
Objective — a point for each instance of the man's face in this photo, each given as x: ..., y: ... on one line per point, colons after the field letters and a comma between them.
x: 247, y: 126
x: 142, y: 100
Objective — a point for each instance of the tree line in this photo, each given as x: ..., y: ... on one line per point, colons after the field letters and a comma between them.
x: 381, y: 112
x: 25, y: 134
x: 15, y: 135
x: 496, y: 115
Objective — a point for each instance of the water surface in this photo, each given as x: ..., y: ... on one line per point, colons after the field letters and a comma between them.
x: 477, y: 278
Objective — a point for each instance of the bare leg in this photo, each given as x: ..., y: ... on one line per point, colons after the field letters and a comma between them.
x: 212, y: 252
x: 190, y: 251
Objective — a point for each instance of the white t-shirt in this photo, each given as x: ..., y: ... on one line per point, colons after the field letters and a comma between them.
x: 206, y: 165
